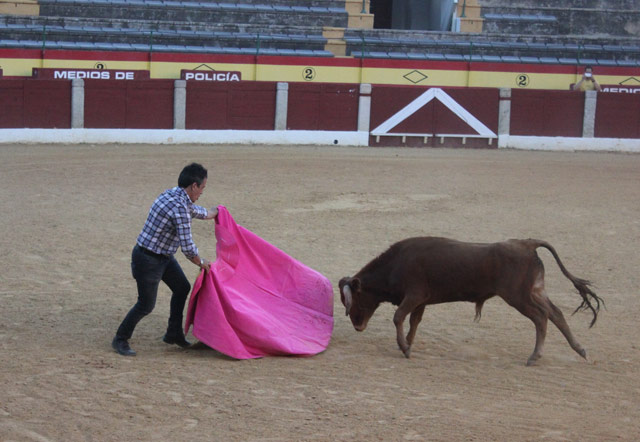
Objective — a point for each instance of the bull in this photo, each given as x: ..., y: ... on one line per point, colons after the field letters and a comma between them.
x: 417, y: 272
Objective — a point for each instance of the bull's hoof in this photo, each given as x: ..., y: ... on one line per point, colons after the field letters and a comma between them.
x: 407, y: 353
x: 583, y: 353
x: 533, y: 359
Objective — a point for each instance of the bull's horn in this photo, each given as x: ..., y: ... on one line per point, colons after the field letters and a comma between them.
x: 348, y: 297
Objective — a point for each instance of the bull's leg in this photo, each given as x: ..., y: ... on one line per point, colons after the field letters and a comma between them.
x: 538, y: 316
x: 540, y: 321
x: 534, y: 305
x: 539, y: 294
x: 557, y: 318
x: 406, y: 306
x: 414, y: 320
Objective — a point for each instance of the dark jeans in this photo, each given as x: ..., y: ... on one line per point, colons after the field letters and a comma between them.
x: 148, y: 270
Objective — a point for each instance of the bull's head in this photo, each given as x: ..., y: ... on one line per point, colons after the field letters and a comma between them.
x: 359, y: 305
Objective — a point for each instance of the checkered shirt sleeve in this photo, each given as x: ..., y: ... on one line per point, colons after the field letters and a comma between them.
x: 168, y: 224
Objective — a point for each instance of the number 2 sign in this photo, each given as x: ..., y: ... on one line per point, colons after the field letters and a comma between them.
x: 308, y: 74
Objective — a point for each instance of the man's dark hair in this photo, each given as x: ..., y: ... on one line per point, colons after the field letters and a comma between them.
x: 193, y: 173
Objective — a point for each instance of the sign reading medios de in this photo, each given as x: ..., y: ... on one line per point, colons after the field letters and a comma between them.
x: 89, y: 74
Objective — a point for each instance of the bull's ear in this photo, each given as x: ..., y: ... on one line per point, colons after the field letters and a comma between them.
x: 355, y: 284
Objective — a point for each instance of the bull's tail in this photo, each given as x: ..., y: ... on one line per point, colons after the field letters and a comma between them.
x: 589, y: 298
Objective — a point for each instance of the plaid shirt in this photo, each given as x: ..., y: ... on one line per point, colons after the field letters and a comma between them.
x: 169, y: 224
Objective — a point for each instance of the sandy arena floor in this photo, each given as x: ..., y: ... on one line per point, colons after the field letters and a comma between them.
x: 70, y: 216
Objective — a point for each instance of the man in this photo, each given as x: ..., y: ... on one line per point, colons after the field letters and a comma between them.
x: 168, y: 226
x: 587, y: 82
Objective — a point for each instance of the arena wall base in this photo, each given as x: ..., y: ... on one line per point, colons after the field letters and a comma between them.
x: 568, y: 143
x: 174, y: 136
x: 283, y: 137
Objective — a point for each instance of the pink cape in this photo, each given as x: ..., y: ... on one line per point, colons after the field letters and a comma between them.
x: 257, y: 300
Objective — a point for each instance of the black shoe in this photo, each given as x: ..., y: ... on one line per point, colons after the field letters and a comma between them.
x: 179, y: 340
x: 121, y: 346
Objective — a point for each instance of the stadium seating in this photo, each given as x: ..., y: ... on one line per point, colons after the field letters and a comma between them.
x: 530, y: 31
x: 70, y: 33
x: 594, y: 32
x: 245, y: 26
x: 529, y: 49
x: 204, y: 12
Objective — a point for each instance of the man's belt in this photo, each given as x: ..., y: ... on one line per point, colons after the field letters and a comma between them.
x: 150, y: 253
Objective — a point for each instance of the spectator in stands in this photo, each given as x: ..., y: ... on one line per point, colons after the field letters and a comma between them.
x: 168, y: 226
x: 587, y: 82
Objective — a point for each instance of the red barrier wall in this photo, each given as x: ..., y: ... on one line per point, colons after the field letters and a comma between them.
x: 237, y: 105
x: 122, y: 104
x: 105, y: 104
x: 12, y: 99
x: 546, y: 113
x: 617, y: 116
x: 323, y: 106
x: 148, y: 104
x: 434, y: 117
x: 41, y: 104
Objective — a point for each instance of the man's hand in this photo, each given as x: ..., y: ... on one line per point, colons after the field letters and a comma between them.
x: 206, y: 265
x: 202, y: 263
x: 213, y: 212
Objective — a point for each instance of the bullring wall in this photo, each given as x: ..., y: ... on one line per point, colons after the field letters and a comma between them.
x: 393, y: 115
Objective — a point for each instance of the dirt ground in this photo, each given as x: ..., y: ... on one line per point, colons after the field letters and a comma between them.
x: 70, y: 216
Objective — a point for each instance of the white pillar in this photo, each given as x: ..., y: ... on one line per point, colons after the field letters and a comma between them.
x: 282, y: 105
x: 77, y: 103
x: 179, y: 104
x: 504, y: 112
x: 364, y: 108
x: 589, y: 119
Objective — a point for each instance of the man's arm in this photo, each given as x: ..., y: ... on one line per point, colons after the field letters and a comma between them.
x: 183, y: 228
x: 212, y: 213
x: 576, y: 87
x: 202, y: 263
x: 200, y: 212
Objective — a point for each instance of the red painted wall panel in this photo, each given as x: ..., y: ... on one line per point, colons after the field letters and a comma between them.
x: 105, y: 104
x: 150, y: 104
x: 434, y: 117
x: 546, y: 113
x: 482, y: 103
x: 617, y: 116
x: 323, y: 106
x: 252, y: 108
x: 238, y: 105
x: 121, y: 104
x: 47, y: 104
x: 206, y: 107
x: 12, y: 107
x: 387, y: 100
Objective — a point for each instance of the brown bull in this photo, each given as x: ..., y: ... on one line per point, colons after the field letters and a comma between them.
x: 416, y: 272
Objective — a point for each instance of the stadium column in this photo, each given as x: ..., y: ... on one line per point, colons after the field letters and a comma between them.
x: 77, y: 103
x: 364, y: 108
x: 282, y: 102
x: 589, y: 119
x: 504, y: 112
x: 179, y: 104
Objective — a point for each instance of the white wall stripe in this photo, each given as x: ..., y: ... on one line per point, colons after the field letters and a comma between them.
x: 421, y: 101
x: 404, y: 113
x: 464, y: 114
